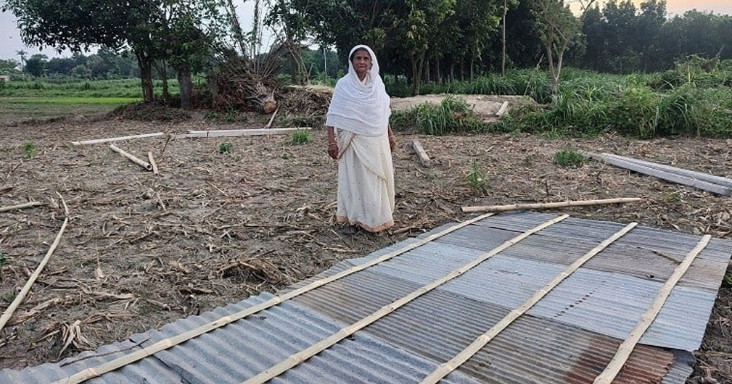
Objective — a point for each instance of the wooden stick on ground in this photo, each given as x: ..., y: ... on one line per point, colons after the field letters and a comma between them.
x: 132, y: 158
x: 423, y: 158
x: 578, y: 203
x: 96, y: 371
x: 153, y: 164
x: 680, y: 171
x: 99, y: 141
x: 626, y: 348
x: 239, y: 132
x: 19, y: 298
x: 21, y: 206
x: 502, y: 110
x: 271, y: 119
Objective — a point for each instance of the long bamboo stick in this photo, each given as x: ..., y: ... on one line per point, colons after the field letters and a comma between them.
x: 240, y: 132
x: 723, y: 181
x: 311, y: 351
x: 445, y: 368
x: 578, y: 203
x: 112, y: 139
x: 161, y: 345
x: 152, y: 162
x: 626, y: 347
x: 132, y: 157
x: 26, y: 288
x: 21, y: 206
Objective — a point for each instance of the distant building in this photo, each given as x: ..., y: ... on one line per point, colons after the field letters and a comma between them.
x: 5, y: 78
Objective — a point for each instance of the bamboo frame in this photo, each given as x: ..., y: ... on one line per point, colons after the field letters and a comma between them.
x: 578, y: 203
x: 627, y: 346
x: 314, y: 349
x: 723, y: 181
x: 445, y: 368
x: 112, y: 139
x: 152, y: 163
x: 21, y: 206
x: 26, y: 288
x: 92, y: 372
x: 132, y: 157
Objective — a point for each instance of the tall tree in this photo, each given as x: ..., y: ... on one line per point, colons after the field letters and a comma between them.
x: 36, y: 65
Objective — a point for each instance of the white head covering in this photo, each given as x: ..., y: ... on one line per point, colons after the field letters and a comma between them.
x: 360, y: 107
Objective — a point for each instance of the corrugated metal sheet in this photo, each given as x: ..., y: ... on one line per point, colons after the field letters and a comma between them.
x: 568, y: 337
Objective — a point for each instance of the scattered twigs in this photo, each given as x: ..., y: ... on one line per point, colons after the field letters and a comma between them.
x: 579, y: 203
x: 152, y: 162
x: 21, y: 206
x: 21, y: 295
x: 271, y: 119
x: 112, y: 139
x: 132, y: 158
x: 421, y: 154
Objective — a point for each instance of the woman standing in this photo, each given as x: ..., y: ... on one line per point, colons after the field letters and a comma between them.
x: 360, y: 138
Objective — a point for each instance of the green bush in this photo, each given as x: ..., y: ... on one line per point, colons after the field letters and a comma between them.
x: 568, y: 158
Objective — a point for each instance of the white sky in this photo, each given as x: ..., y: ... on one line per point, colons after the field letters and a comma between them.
x: 10, y: 41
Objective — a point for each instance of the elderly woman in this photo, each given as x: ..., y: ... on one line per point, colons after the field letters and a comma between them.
x: 360, y: 138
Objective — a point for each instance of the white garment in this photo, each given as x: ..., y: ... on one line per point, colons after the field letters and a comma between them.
x: 365, y: 181
x: 360, y: 107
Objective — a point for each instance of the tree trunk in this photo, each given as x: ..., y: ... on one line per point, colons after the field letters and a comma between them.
x: 427, y: 78
x: 163, y: 72
x: 503, y: 39
x: 452, y: 70
x: 462, y: 70
x: 472, y: 67
x: 185, y: 86
x: 145, y: 64
x: 438, y: 74
x: 417, y: 66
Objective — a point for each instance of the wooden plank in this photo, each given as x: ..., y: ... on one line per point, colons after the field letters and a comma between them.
x: 445, y: 368
x: 112, y: 139
x: 684, y: 172
x: 562, y: 204
x: 314, y: 349
x: 669, y: 176
x: 240, y: 132
x: 96, y: 371
x: 421, y: 154
x: 503, y: 109
x: 626, y: 347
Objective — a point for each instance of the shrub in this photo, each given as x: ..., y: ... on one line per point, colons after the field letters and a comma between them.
x: 569, y: 158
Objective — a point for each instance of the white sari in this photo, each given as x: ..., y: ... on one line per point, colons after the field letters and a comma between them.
x: 359, y: 112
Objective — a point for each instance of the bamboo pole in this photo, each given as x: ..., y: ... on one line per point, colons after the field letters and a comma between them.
x: 579, y: 203
x: 271, y: 119
x: 132, y: 157
x: 23, y: 292
x: 421, y: 154
x: 21, y: 206
x: 314, y: 349
x: 627, y: 346
x: 240, y: 132
x: 112, y: 139
x: 723, y: 181
x: 445, y: 368
x: 153, y: 164
x: 669, y: 176
x: 161, y: 345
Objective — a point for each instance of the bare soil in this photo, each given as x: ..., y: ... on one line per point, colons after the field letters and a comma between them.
x: 142, y: 250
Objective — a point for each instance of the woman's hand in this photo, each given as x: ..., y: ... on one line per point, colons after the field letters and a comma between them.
x: 333, y: 150
x: 392, y: 142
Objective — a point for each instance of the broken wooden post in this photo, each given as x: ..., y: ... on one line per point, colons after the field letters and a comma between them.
x: 503, y: 109
x: 421, y: 154
x: 132, y: 158
x: 578, y: 203
x: 152, y: 162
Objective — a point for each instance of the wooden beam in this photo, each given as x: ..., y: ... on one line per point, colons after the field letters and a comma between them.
x: 112, y: 139
x: 669, y: 176
x: 503, y: 109
x: 683, y: 172
x: 579, y: 203
x: 421, y: 154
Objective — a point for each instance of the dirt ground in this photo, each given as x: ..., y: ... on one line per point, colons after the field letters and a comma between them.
x: 141, y: 250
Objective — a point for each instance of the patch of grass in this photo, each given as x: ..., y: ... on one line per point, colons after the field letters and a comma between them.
x: 29, y: 150
x: 727, y: 282
x: 476, y: 179
x: 569, y: 158
x: 300, y: 136
x: 451, y: 116
x: 226, y: 148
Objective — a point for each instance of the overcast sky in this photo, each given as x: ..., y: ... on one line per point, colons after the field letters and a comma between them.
x: 10, y: 41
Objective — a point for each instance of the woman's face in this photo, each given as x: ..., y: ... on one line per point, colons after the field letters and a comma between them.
x: 361, y: 61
